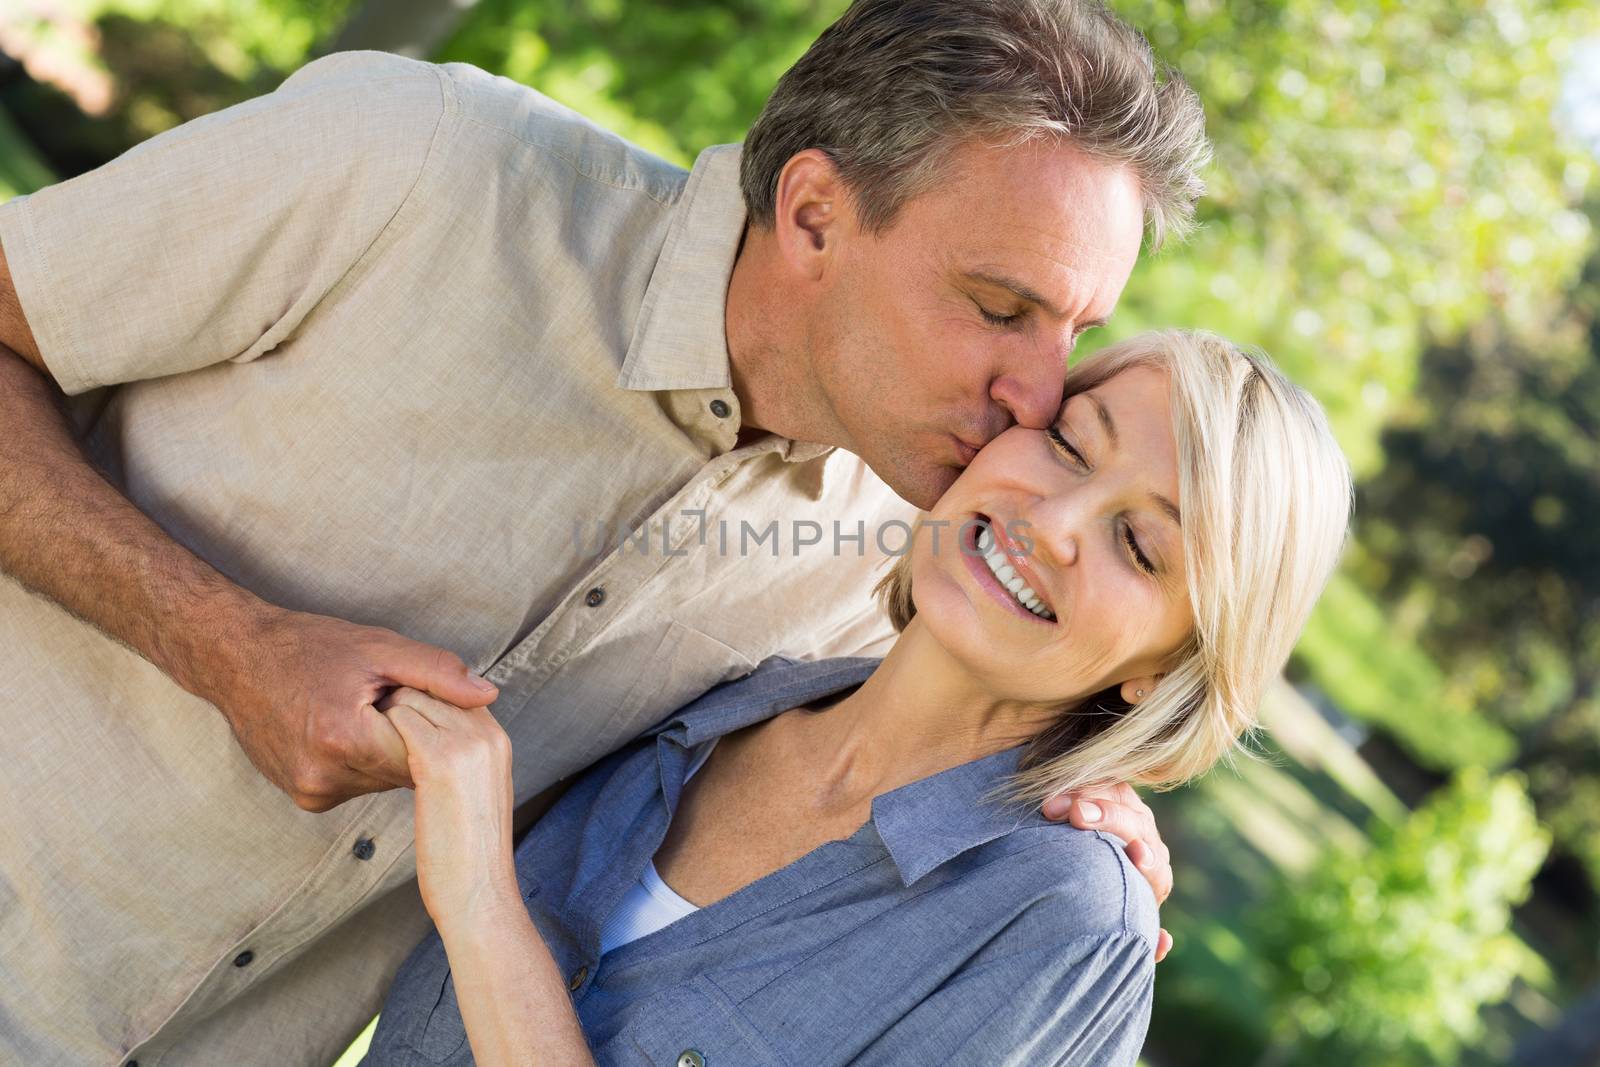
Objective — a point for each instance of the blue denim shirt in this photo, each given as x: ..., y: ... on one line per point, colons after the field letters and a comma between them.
x: 944, y: 930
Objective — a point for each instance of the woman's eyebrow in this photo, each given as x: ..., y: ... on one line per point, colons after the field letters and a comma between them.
x: 1109, y: 425
x: 1168, y: 507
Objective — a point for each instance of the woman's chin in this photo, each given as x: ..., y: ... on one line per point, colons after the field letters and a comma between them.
x: 968, y: 625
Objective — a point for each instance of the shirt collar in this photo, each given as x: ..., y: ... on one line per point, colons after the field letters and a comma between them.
x: 922, y: 825
x: 935, y: 819
x: 680, y: 340
x: 777, y: 685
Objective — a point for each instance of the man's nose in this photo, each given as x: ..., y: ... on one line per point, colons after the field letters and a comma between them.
x: 1032, y: 393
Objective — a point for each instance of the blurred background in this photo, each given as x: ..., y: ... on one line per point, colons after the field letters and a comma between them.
x: 1403, y: 212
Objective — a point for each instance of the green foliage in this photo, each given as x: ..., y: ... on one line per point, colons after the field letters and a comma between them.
x: 1351, y: 646
x: 1382, y: 170
x: 673, y: 78
x: 1479, y: 540
x: 21, y: 169
x: 1388, y: 956
x: 240, y: 36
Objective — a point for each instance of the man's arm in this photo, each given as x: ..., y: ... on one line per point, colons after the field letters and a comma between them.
x: 66, y: 533
x: 297, y: 689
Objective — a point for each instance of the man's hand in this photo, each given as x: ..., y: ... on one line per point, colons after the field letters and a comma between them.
x: 1119, y: 810
x: 297, y: 689
x: 300, y: 690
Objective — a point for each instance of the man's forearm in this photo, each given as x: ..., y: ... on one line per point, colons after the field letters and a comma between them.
x: 68, y: 534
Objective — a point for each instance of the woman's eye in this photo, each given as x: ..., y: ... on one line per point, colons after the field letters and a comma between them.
x: 1139, y: 558
x: 1064, y: 445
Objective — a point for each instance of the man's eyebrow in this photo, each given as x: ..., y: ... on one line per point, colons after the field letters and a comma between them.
x: 1025, y: 291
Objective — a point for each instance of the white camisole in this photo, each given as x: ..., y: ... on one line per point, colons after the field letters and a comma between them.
x: 650, y: 903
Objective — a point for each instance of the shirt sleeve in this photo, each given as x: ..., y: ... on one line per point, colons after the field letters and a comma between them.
x: 213, y: 240
x: 1086, y: 1002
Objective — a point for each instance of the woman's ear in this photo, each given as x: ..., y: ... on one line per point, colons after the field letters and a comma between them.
x: 1137, y: 690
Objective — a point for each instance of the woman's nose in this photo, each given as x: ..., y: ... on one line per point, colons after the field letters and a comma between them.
x: 1055, y: 541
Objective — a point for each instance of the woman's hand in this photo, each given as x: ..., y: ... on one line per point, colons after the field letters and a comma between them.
x: 460, y: 760
x: 514, y: 1000
x: 1119, y: 810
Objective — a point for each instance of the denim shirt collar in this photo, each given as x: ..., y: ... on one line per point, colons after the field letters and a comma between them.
x: 923, y: 824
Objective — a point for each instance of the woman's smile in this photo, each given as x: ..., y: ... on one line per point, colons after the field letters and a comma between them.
x: 993, y: 561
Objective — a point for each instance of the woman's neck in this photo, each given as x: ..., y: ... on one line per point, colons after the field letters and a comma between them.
x: 918, y: 714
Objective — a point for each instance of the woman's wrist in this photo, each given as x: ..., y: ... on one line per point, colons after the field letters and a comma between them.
x: 488, y: 903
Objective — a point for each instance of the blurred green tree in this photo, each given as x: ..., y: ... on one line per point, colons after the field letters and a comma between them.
x: 1479, y: 538
x: 1388, y: 955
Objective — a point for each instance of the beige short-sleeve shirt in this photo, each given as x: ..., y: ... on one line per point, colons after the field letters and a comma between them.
x: 413, y: 346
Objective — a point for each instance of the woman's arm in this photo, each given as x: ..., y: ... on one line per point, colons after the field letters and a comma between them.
x: 513, y: 998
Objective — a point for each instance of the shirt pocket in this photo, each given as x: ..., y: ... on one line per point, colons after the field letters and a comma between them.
x: 443, y: 1038
x: 694, y: 1025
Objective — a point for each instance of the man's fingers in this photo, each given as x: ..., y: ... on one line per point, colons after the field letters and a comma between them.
x: 1155, y: 869
x: 1123, y: 793
x: 383, y: 753
x: 1057, y: 807
x: 352, y: 783
x: 1163, y: 945
x: 1134, y: 827
x: 440, y: 673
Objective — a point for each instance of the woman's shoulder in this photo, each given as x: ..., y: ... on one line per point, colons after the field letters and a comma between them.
x: 1067, y: 882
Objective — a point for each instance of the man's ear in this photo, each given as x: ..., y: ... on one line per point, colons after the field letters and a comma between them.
x: 811, y: 211
x: 1136, y: 691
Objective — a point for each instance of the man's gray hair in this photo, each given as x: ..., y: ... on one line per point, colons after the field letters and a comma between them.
x: 893, y: 86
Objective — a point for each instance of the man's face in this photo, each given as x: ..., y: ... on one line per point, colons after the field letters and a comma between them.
x: 957, y: 323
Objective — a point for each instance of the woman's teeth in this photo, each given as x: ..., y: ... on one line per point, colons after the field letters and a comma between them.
x: 1007, y: 575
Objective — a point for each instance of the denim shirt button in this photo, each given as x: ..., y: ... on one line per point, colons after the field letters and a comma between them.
x: 691, y: 1058
x: 577, y: 979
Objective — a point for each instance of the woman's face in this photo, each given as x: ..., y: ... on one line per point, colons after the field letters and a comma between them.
x: 1086, y: 515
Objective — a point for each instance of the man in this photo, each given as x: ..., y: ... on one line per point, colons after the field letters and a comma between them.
x: 387, y: 363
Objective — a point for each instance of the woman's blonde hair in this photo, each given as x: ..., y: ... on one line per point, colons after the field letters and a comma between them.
x: 1266, y: 498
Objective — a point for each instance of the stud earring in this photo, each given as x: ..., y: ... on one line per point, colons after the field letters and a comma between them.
x: 1138, y: 692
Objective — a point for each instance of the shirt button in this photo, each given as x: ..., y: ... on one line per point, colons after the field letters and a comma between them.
x: 691, y: 1058
x: 364, y: 849
x: 243, y: 959
x: 577, y: 979
x: 595, y: 597
x: 720, y: 409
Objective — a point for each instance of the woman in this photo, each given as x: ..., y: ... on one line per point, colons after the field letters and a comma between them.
x: 843, y: 862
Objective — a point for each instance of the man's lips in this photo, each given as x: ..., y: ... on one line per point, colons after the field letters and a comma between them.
x: 965, y: 449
